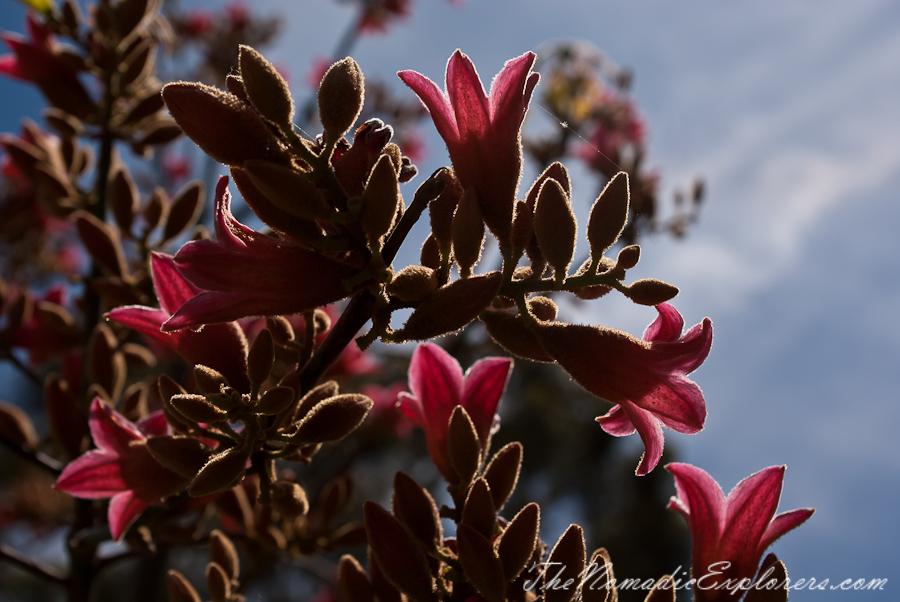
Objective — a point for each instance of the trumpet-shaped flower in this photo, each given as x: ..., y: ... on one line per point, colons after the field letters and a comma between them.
x: 246, y: 273
x: 438, y: 385
x: 121, y: 467
x: 647, y: 379
x: 222, y: 347
x: 730, y: 534
x: 482, y: 130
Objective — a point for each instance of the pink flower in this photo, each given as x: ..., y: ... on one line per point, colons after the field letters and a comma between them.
x: 438, y: 385
x: 482, y: 131
x: 222, y: 347
x: 121, y: 467
x: 246, y: 273
x: 384, y: 413
x: 730, y: 534
x: 378, y: 14
x: 646, y: 378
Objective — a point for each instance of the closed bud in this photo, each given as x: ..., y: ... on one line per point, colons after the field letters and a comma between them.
x: 180, y: 589
x: 16, y: 427
x: 543, y: 308
x: 353, y: 584
x: 468, y: 232
x: 523, y: 227
x: 275, y: 401
x: 771, y: 582
x: 510, y: 332
x: 168, y: 388
x: 265, y: 87
x: 333, y: 419
x: 478, y: 510
x: 235, y: 85
x: 450, y: 307
x: 569, y: 554
x: 442, y: 208
x: 555, y: 227
x: 106, y: 364
x: 281, y: 330
x: 184, y: 210
x: 218, y: 583
x: 502, y: 473
x: 197, y: 408
x: 209, y: 381
x: 184, y: 456
x: 415, y: 508
x: 594, y: 291
x: 413, y: 283
x: 430, y: 256
x: 101, y: 242
x: 314, y: 397
x: 159, y: 131
x: 384, y: 590
x: 261, y: 358
x: 222, y: 471
x: 289, y: 499
x: 134, y: 402
x: 123, y: 199
x: 227, y: 129
x: 650, y: 291
x: 664, y: 591
x: 480, y: 563
x: 322, y: 321
x: 517, y: 542
x: 628, y: 257
x: 608, y: 215
x: 603, y: 585
x: 289, y: 190
x: 64, y: 124
x: 380, y: 199
x: 156, y: 209
x: 56, y: 317
x: 463, y: 445
x: 341, y: 96
x: 223, y: 553
x: 397, y: 554
x: 148, y: 103
x: 138, y: 356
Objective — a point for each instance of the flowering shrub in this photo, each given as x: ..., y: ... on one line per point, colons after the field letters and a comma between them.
x: 184, y: 391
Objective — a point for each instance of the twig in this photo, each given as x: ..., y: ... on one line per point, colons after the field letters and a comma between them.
x: 31, y: 565
x: 34, y: 456
x: 25, y: 370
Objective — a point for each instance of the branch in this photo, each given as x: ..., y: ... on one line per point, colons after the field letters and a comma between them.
x: 34, y: 456
x: 32, y: 566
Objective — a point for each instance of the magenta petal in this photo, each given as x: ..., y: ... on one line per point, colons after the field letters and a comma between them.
x: 781, y: 524
x: 436, y: 379
x: 687, y: 353
x: 124, y: 508
x: 616, y: 423
x: 751, y: 506
x: 172, y: 289
x: 436, y: 102
x: 96, y: 474
x: 154, y: 425
x: 111, y: 431
x: 667, y: 326
x: 703, y: 498
x: 678, y: 403
x: 411, y: 407
x: 651, y: 434
x: 145, y: 320
x: 483, y: 388
x: 508, y: 104
x: 470, y: 103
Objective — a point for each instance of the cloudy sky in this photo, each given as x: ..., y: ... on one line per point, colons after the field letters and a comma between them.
x: 790, y: 112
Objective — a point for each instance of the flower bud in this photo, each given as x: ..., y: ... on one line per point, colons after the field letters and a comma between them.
x: 235, y: 85
x: 314, y: 397
x: 543, y: 308
x: 441, y: 209
x: 261, y: 358
x: 223, y: 553
x: 478, y: 510
x: 450, y: 307
x: 628, y: 257
x: 16, y: 427
x: 650, y: 291
x: 509, y: 331
x: 480, y: 563
x: 180, y: 589
x: 197, y: 408
x: 413, y: 283
x: 101, y: 243
x: 609, y: 215
x: 289, y: 190
x: 517, y: 542
x: 156, y: 208
x: 555, y: 227
x: 184, y: 210
x: 333, y: 419
x: 415, y: 508
x: 523, y: 227
x: 322, y: 321
x: 341, y: 95
x: 184, y: 456
x: 463, y: 445
x: 603, y: 588
x: 664, y: 591
x: 281, y: 329
x: 569, y: 554
x: 218, y: 583
x: 397, y: 554
x: 289, y: 499
x: 123, y: 199
x: 353, y: 584
x: 168, y: 388
x: 106, y: 364
x: 380, y: 200
x: 209, y: 381
x: 222, y: 471
x: 468, y: 232
x: 771, y: 582
x: 266, y: 89
x: 503, y: 472
x: 275, y: 401
x: 430, y: 255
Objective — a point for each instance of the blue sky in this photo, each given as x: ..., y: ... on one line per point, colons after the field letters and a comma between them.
x: 790, y: 112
